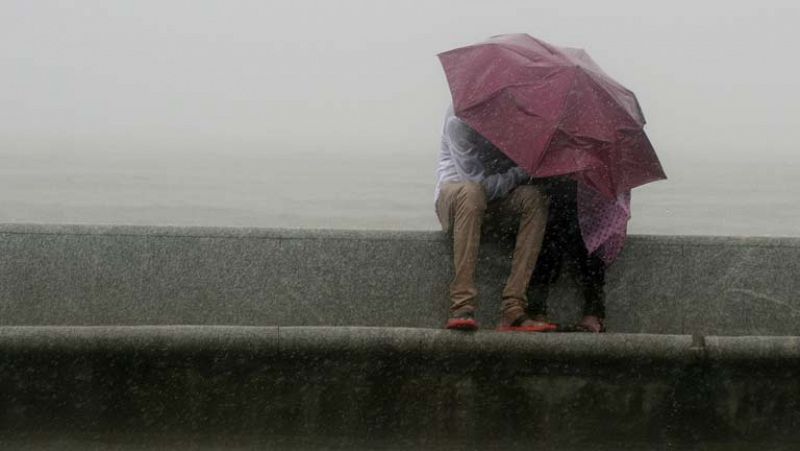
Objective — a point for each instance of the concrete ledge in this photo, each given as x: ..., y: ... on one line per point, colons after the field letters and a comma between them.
x: 216, y: 232
x: 125, y: 275
x: 324, y: 234
x: 347, y: 341
x: 396, y: 388
x: 369, y: 340
x: 754, y: 350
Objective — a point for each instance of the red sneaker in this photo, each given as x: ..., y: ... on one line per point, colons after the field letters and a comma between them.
x: 516, y: 326
x: 462, y: 321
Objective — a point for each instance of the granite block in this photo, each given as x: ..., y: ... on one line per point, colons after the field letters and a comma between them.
x: 85, y: 275
x: 643, y: 289
x: 742, y: 290
x: 72, y: 279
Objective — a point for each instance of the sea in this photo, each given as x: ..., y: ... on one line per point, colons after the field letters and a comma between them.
x: 339, y: 190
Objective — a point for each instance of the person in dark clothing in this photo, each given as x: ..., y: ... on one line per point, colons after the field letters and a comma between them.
x: 563, y: 244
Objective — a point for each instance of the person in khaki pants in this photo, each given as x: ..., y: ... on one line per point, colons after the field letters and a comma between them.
x: 473, y: 178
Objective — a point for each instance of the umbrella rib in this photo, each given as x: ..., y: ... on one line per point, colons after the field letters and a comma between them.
x: 577, y: 66
x: 565, y: 64
x: 497, y: 92
x: 515, y: 51
x: 607, y: 93
x: 561, y: 117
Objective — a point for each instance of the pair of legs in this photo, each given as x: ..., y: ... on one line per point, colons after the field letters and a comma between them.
x: 563, y: 244
x: 461, y: 209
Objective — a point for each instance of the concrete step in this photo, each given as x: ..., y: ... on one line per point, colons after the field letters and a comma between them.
x: 392, y: 388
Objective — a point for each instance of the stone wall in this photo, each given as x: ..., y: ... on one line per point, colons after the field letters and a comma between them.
x: 95, y: 275
x: 161, y: 338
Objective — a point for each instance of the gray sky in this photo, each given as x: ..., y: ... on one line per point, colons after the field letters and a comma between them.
x: 716, y: 79
x: 715, y: 76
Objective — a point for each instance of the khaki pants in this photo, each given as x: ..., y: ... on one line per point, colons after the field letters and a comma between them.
x: 461, y: 208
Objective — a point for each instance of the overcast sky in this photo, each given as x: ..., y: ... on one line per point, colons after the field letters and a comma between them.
x: 716, y: 79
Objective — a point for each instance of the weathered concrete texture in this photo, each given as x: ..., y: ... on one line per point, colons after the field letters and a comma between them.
x: 159, y: 276
x: 130, y: 383
x: 430, y: 343
x: 357, y: 388
x: 94, y: 275
x: 753, y: 350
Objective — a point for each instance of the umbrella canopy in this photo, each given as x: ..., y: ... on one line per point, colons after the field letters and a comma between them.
x: 553, y: 111
x: 603, y: 222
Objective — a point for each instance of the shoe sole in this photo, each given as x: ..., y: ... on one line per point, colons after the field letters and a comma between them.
x: 545, y: 328
x: 462, y: 324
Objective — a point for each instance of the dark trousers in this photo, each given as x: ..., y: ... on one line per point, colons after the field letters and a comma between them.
x: 562, y: 245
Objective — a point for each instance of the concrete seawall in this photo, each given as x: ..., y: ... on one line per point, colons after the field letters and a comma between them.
x: 217, y: 338
x: 93, y: 275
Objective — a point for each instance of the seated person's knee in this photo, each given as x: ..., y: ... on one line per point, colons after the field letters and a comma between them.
x: 472, y: 195
x: 533, y: 198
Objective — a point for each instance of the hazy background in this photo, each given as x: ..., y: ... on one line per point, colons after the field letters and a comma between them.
x: 327, y: 113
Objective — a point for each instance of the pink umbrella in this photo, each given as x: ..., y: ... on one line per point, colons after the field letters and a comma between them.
x: 603, y: 222
x: 553, y: 111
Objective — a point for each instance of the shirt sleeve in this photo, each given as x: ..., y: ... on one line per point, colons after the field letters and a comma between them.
x: 465, y: 144
x: 499, y: 185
